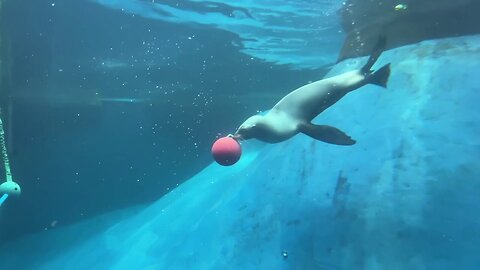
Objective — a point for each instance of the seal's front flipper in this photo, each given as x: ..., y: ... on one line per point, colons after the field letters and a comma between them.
x: 326, y: 134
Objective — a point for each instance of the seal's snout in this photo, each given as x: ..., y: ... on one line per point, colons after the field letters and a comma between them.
x: 237, y: 137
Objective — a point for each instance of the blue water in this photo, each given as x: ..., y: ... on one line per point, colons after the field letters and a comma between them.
x: 113, y: 107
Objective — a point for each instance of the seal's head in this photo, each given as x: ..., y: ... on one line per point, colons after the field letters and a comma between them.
x: 249, y: 128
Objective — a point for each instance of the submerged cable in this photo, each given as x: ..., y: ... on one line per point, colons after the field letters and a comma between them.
x: 3, y: 198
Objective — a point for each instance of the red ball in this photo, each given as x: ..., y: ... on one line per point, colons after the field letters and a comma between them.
x: 226, y: 151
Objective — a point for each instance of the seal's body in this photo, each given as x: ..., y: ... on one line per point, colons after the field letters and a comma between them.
x: 294, y: 112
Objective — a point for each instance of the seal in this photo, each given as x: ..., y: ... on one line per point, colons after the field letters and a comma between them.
x: 294, y: 112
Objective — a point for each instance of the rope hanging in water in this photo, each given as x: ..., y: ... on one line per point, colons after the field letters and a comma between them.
x: 3, y: 145
x: 9, y: 187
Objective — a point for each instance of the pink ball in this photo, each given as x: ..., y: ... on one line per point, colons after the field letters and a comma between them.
x: 226, y: 151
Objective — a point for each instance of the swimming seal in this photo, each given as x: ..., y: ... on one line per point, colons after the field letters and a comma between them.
x: 294, y: 112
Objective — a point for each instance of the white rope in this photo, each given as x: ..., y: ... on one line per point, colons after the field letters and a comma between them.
x: 4, y: 153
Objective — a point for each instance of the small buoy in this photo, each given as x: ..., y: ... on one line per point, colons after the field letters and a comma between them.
x: 226, y: 151
x: 11, y: 188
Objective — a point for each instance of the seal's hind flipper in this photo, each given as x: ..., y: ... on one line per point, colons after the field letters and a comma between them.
x: 326, y: 134
x: 380, y: 76
x: 376, y: 52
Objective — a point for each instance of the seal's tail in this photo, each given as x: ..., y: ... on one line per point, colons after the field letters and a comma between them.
x: 380, y: 76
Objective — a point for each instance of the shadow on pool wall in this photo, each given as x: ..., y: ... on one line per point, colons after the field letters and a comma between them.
x: 404, y: 197
x: 404, y: 22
